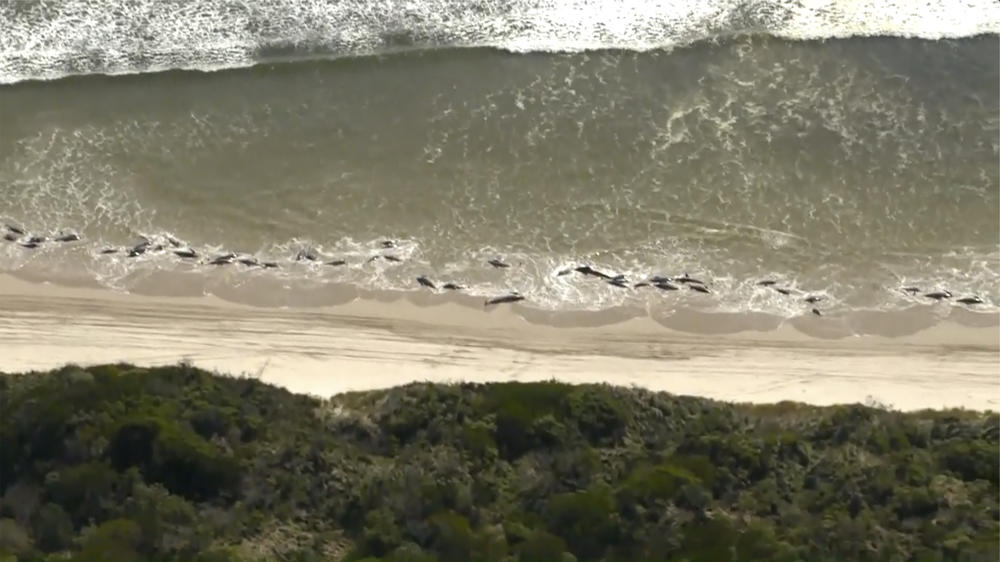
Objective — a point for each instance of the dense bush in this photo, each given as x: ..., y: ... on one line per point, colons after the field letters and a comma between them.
x: 120, y: 463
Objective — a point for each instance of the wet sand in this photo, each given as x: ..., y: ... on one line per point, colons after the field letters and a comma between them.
x: 370, y: 343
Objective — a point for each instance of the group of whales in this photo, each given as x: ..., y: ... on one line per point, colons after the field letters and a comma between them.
x: 153, y: 245
x: 665, y: 283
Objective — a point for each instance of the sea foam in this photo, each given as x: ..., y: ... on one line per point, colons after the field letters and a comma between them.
x: 47, y: 40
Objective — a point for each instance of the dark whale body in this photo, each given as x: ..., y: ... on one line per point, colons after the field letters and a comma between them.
x: 504, y: 299
x: 224, y: 259
x: 587, y: 270
x: 688, y: 279
x: 939, y: 295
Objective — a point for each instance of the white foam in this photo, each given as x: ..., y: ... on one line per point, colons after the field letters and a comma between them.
x: 46, y: 40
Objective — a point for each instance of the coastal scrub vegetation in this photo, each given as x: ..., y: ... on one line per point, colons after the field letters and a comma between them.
x: 122, y: 463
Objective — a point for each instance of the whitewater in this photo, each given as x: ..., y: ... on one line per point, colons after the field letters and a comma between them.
x: 44, y: 39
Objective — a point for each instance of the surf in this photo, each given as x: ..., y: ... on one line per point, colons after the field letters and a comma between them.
x: 73, y: 37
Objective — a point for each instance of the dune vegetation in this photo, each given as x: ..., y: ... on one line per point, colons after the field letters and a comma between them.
x: 122, y: 463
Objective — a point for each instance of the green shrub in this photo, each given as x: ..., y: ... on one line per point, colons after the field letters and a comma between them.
x: 737, y: 459
x: 168, y: 523
x: 209, y: 422
x: 409, y: 552
x: 586, y: 520
x: 650, y: 483
x: 380, y: 535
x: 53, y: 528
x: 699, y: 466
x: 918, y: 502
x: 453, y: 538
x: 176, y: 457
x: 477, y: 439
x: 113, y: 541
x: 517, y: 406
x: 758, y: 543
x: 599, y: 414
x: 710, y: 540
x: 660, y: 482
x: 191, y: 467
x: 491, y: 543
x: 82, y: 490
x: 14, y: 538
x: 972, y: 460
x: 133, y: 443
x: 542, y: 547
x: 547, y: 432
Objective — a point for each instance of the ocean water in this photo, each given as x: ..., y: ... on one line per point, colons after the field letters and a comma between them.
x: 845, y: 149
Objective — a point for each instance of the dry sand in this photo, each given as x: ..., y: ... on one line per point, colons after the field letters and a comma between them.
x: 369, y: 344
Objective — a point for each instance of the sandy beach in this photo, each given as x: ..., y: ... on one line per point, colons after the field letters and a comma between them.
x: 368, y: 344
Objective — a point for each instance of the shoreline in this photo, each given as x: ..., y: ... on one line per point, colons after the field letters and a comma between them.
x: 367, y: 344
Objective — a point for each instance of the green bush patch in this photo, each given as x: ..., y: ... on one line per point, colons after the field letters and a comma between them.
x: 122, y: 463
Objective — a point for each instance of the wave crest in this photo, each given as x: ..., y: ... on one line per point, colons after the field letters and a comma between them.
x: 44, y: 40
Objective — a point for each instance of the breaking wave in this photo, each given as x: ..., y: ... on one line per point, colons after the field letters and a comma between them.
x: 47, y: 40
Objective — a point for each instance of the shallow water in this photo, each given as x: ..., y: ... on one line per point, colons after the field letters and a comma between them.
x: 846, y: 168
